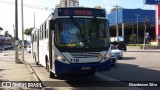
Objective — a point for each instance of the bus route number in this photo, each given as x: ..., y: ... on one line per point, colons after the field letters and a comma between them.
x: 74, y: 60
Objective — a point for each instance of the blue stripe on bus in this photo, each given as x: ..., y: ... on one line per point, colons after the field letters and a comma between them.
x: 62, y: 68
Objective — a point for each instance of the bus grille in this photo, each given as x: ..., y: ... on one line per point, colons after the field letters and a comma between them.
x: 85, y: 55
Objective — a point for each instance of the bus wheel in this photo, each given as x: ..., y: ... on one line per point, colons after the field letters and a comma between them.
x: 36, y: 61
x: 47, y: 65
x: 52, y: 75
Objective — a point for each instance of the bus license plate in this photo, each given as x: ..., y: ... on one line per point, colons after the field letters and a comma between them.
x: 86, y: 68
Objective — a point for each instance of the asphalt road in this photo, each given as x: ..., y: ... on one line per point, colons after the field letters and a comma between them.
x: 135, y: 66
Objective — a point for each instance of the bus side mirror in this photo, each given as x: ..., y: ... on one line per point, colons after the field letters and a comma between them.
x: 52, y: 24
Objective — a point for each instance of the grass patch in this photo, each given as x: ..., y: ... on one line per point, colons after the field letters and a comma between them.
x: 134, y: 44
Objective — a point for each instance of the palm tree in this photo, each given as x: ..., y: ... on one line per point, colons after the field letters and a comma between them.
x: 6, y: 34
x: 1, y: 29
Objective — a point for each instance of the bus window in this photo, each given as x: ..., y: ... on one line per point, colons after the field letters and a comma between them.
x: 40, y: 36
x: 33, y: 37
x: 52, y: 25
x: 42, y: 31
x: 45, y: 30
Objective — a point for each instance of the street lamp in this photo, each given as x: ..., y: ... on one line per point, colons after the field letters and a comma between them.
x: 117, y: 31
x: 145, y: 24
x: 16, y: 33
x: 22, y: 30
x: 137, y: 26
x: 34, y: 20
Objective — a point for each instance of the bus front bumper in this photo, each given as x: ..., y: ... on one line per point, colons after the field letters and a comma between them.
x: 62, y: 68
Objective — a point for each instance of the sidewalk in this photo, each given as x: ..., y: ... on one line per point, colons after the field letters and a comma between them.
x: 10, y: 71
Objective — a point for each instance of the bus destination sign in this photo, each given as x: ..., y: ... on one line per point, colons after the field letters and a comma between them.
x: 152, y: 2
x: 81, y: 12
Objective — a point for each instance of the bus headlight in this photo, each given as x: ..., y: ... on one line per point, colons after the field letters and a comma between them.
x: 60, y: 58
x: 107, y: 57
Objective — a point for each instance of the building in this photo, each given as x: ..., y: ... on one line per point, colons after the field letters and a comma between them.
x: 129, y: 20
x: 68, y: 3
x: 98, y: 7
x: 72, y: 3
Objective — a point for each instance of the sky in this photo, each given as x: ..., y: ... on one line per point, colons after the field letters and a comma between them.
x: 42, y: 8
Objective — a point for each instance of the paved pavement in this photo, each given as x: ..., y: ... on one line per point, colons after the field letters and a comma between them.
x: 67, y: 82
x: 137, y: 65
x: 10, y: 71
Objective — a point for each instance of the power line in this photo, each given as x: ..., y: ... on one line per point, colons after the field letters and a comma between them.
x: 28, y: 6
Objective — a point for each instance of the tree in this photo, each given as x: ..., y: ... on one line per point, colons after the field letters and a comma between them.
x: 133, y: 38
x: 1, y: 29
x: 28, y: 31
x: 6, y: 34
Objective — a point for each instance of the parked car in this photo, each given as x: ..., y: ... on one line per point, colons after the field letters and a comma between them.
x: 116, y: 51
x: 2, y: 47
x: 113, y: 59
x: 121, y: 45
x: 9, y: 46
x: 26, y: 43
x: 29, y: 48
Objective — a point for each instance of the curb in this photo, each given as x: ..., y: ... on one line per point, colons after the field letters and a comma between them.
x: 33, y: 72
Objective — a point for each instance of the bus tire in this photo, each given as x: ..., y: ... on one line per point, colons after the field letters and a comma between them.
x: 36, y: 60
x: 52, y: 75
x: 47, y: 65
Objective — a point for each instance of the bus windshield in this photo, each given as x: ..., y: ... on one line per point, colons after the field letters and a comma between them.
x: 82, y: 33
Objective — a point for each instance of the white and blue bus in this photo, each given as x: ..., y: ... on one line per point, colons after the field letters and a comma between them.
x: 73, y: 40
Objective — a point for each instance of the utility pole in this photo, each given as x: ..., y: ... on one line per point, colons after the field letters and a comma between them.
x: 65, y: 3
x: 34, y: 20
x: 16, y: 33
x: 13, y: 31
x: 22, y: 30
x: 117, y: 31
x: 145, y: 24
x: 137, y: 26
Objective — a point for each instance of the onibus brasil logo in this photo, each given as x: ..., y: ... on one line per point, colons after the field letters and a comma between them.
x: 21, y: 85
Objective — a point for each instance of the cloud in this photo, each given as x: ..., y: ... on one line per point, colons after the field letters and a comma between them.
x: 113, y: 2
x: 108, y: 4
